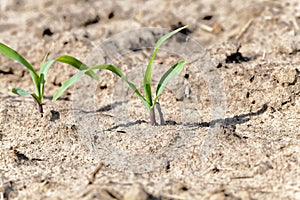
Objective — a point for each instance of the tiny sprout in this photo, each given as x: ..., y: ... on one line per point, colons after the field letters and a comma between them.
x: 147, y: 100
x: 39, y: 78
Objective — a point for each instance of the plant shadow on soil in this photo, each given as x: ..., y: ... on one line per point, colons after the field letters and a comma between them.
x: 237, y: 119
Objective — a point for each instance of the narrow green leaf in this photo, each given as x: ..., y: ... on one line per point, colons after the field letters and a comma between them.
x: 77, y: 64
x: 44, y: 59
x: 37, y: 99
x: 13, y: 55
x: 20, y: 92
x: 45, y: 67
x: 42, y: 87
x: 119, y: 73
x: 169, y: 75
x: 74, y: 78
x: 147, y: 77
x: 67, y: 84
x: 111, y: 68
x: 43, y: 74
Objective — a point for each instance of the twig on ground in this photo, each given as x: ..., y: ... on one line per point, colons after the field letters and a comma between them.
x: 244, y: 30
x: 92, y: 178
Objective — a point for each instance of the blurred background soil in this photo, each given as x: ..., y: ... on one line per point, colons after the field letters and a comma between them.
x: 253, y: 45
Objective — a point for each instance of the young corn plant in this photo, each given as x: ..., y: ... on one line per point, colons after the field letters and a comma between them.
x: 148, y: 99
x: 39, y: 78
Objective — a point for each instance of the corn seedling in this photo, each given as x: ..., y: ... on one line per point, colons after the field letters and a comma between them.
x: 148, y: 100
x: 39, y: 78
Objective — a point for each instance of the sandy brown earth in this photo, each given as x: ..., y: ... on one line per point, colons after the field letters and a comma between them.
x: 232, y: 116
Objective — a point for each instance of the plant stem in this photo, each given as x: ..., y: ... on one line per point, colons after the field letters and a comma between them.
x: 40, y: 108
x: 161, y: 115
x: 152, y: 117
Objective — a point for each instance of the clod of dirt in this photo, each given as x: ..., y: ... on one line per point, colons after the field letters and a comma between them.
x: 10, y: 71
x: 92, y: 21
x: 20, y: 156
x: 236, y: 58
x: 54, y: 115
x: 48, y: 32
x: 102, y: 87
x: 111, y: 15
x: 207, y: 17
x: 137, y: 192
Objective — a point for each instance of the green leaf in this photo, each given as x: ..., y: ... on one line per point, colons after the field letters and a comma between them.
x: 44, y: 60
x: 67, y: 84
x: 42, y: 87
x: 119, y: 73
x: 169, y: 75
x: 43, y: 74
x: 20, y: 92
x: 77, y: 64
x: 38, y: 99
x: 147, y: 77
x: 111, y: 68
x: 45, y: 67
x: 13, y: 55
